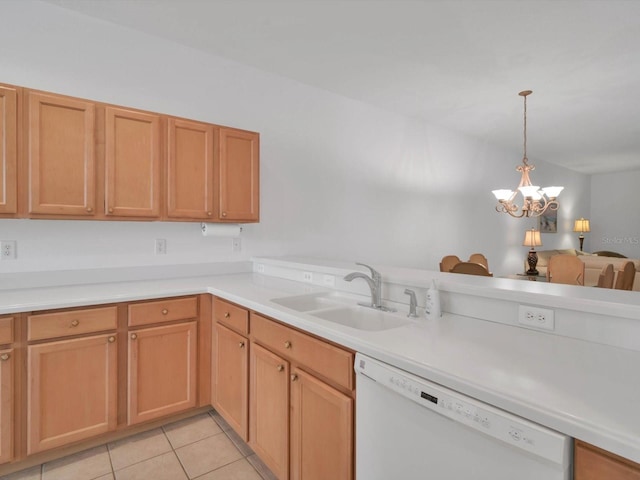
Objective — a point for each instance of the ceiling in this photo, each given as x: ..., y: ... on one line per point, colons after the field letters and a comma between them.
x: 459, y: 64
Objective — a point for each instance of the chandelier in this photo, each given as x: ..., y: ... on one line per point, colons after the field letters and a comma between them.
x: 536, y: 200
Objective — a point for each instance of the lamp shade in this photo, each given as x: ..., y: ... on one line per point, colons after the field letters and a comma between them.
x: 581, y: 226
x: 532, y: 238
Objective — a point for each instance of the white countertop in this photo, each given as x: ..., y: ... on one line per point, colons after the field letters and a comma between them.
x: 586, y: 390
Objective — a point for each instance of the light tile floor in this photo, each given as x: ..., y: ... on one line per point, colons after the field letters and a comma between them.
x: 203, y: 447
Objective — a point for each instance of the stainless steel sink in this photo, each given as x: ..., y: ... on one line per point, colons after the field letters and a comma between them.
x: 363, y: 318
x: 342, y: 309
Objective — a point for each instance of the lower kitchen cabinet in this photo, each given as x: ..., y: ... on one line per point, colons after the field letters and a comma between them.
x: 162, y: 371
x: 592, y: 463
x: 72, y: 390
x: 6, y: 404
x: 231, y: 379
x: 321, y: 430
x: 269, y: 410
x: 301, y: 403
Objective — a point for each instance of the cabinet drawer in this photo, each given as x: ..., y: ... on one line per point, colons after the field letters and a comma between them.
x: 6, y: 330
x: 71, y: 322
x: 167, y: 310
x: 329, y: 361
x: 231, y: 315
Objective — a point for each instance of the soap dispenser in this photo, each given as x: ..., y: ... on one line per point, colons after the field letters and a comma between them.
x: 432, y: 308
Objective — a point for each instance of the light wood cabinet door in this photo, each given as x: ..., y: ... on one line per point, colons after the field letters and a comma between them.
x: 61, y: 155
x: 8, y: 150
x: 6, y: 405
x: 190, y: 169
x: 162, y: 371
x: 321, y: 430
x: 72, y: 391
x: 231, y: 379
x: 132, y: 163
x: 592, y: 463
x: 269, y: 410
x: 238, y: 174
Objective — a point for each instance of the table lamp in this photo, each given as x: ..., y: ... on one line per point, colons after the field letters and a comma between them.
x: 532, y: 239
x: 581, y: 226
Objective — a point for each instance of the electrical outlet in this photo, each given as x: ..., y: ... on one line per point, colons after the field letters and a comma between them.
x: 536, y: 317
x: 307, y: 277
x: 260, y: 268
x: 8, y: 250
x: 161, y: 246
x: 236, y: 245
x: 329, y: 280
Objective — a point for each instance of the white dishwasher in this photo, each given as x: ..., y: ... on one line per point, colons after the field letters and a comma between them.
x: 408, y: 428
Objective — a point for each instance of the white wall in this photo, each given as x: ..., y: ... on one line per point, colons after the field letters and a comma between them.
x: 340, y: 179
x: 615, y: 217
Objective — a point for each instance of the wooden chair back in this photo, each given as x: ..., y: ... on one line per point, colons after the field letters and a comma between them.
x: 471, y: 268
x: 447, y: 262
x: 567, y: 269
x: 479, y: 258
x: 626, y: 276
x: 605, y: 280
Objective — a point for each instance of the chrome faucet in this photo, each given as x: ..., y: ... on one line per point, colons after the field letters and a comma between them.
x: 375, y: 285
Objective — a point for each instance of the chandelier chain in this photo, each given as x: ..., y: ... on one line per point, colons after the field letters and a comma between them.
x: 524, y: 157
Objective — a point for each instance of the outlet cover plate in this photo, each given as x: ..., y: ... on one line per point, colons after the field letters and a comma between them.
x: 536, y: 317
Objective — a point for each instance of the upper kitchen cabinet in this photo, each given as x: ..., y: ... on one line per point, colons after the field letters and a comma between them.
x: 190, y: 147
x: 60, y: 155
x: 238, y: 171
x: 8, y: 150
x: 132, y: 163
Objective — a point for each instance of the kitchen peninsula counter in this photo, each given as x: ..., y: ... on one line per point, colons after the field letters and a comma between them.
x: 585, y: 389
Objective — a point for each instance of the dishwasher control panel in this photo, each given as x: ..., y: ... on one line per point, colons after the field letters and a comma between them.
x: 499, y: 424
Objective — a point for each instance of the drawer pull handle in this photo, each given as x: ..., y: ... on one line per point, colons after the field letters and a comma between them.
x: 287, y: 344
x: 227, y: 314
x: 111, y: 339
x: 165, y: 311
x: 133, y: 336
x: 75, y: 323
x: 4, y: 357
x: 280, y: 368
x: 294, y: 377
x: 241, y: 344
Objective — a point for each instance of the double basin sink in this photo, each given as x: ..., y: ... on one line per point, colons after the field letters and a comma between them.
x: 344, y: 310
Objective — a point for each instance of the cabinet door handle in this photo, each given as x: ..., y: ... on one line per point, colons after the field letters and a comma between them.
x: 111, y: 339
x: 287, y: 344
x: 110, y: 209
x: 5, y: 356
x: 75, y: 323
x: 227, y: 314
x: 280, y: 368
x: 89, y: 210
x: 224, y: 214
x: 294, y: 377
x: 165, y: 311
x: 209, y: 214
x: 133, y: 336
x: 241, y: 344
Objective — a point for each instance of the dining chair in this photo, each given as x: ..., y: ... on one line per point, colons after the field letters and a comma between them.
x: 471, y: 268
x: 605, y: 280
x: 567, y: 269
x: 626, y: 276
x: 447, y: 262
x: 479, y: 258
